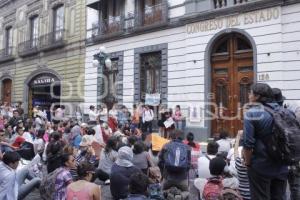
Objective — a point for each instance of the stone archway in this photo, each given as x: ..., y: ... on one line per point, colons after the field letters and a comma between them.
x: 41, y: 83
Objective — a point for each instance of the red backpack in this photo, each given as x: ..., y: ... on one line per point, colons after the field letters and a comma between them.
x: 213, y: 189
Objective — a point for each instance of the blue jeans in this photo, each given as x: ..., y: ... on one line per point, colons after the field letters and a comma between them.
x: 25, y: 189
x: 178, y: 125
x: 294, y: 182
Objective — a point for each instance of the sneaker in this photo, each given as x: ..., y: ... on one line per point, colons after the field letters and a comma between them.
x: 107, y: 182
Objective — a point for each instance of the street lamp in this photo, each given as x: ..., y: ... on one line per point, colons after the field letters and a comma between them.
x: 102, y: 60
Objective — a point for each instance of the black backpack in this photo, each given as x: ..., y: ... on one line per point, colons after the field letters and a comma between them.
x: 284, y: 144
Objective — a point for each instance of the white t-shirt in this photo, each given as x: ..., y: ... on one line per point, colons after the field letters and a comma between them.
x: 93, y: 115
x: 98, y: 134
x: 38, y: 145
x: 148, y: 115
x: 27, y: 136
x: 203, y: 166
x: 224, y: 145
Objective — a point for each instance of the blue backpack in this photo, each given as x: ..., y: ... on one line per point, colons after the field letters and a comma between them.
x: 176, y: 157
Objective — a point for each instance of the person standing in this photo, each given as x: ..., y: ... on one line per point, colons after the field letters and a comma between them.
x: 148, y: 117
x: 93, y: 115
x: 267, y: 178
x: 294, y: 170
x: 177, y: 116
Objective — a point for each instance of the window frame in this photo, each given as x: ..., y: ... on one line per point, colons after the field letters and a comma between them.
x: 58, y: 28
x: 33, y: 30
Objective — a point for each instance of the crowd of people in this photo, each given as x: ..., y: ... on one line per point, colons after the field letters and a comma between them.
x: 67, y: 159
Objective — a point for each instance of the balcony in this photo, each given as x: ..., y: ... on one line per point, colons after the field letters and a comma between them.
x: 28, y: 48
x: 199, y: 8
x: 113, y: 26
x: 53, y: 40
x: 152, y: 16
x: 7, y: 54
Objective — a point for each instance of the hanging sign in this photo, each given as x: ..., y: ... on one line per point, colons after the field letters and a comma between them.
x: 152, y: 99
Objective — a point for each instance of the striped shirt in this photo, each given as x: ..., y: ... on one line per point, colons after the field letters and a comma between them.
x: 244, y: 187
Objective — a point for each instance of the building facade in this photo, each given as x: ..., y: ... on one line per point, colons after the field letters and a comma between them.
x: 201, y: 55
x: 42, y: 52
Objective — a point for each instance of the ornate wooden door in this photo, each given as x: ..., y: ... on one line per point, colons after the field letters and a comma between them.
x: 232, y: 76
x: 6, y: 90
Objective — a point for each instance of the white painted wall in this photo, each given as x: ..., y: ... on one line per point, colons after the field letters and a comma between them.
x: 280, y: 38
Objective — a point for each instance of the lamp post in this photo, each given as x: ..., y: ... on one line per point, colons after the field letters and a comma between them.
x: 101, y: 60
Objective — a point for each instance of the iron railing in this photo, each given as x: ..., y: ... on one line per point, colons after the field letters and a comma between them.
x: 7, y: 54
x: 107, y: 28
x: 53, y: 39
x: 151, y: 16
x: 114, y: 26
x: 226, y: 3
x: 28, y: 47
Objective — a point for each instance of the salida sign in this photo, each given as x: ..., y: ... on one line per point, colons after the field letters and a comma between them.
x: 44, y: 80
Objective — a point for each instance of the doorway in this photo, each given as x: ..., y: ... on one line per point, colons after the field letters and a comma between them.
x: 232, y: 74
x: 6, y: 90
x: 44, y: 91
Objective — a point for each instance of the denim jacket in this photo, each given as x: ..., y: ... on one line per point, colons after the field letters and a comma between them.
x: 258, y: 124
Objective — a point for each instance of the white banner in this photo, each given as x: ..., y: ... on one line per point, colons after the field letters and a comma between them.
x: 152, y: 99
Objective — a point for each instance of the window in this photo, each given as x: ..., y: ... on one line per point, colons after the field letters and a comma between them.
x: 150, y: 73
x: 58, y: 25
x: 8, y: 40
x: 34, y: 31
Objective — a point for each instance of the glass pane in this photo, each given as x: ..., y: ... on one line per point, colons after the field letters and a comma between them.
x: 244, y: 91
x: 245, y: 69
x: 151, y: 69
x: 222, y: 94
x: 223, y: 47
x: 59, y: 22
x: 221, y: 71
x: 243, y: 44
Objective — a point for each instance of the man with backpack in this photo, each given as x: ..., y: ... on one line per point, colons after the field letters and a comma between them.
x: 174, y: 162
x: 267, y: 177
x: 294, y: 170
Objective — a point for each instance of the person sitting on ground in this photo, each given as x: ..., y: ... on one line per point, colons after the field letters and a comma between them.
x: 64, y: 178
x: 138, y: 186
x: 121, y: 171
x: 39, y: 143
x: 203, y: 161
x: 19, y: 139
x: 12, y: 181
x: 224, y: 144
x: 83, y: 189
x: 175, y: 175
x: 195, y: 153
x: 53, y: 152
x: 220, y: 177
x: 108, y: 156
x: 141, y: 158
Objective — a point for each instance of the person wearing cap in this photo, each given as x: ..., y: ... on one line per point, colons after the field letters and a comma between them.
x: 121, y: 171
x: 267, y: 178
x: 294, y: 171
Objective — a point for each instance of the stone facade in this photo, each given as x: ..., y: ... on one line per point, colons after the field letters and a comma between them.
x: 63, y: 59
